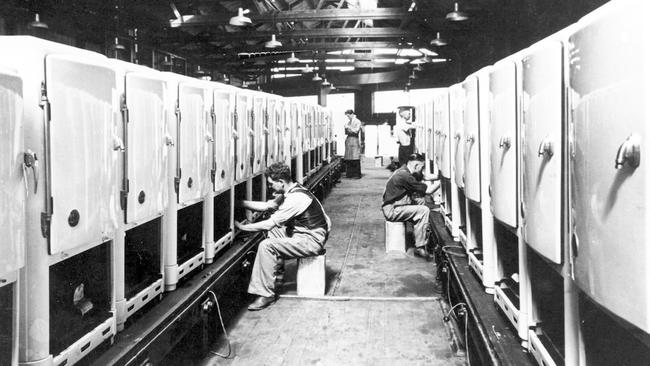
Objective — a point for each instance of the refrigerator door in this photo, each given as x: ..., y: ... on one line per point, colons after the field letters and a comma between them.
x: 16, y: 176
x: 296, y: 129
x: 244, y: 134
x: 504, y: 144
x: 610, y: 197
x: 84, y: 151
x: 542, y: 149
x: 224, y: 147
x: 307, y: 122
x: 259, y: 137
x: 472, y: 141
x: 456, y: 104
x: 285, y: 120
x: 272, y: 139
x: 430, y: 140
x: 194, y: 109
x: 443, y: 144
x: 146, y: 150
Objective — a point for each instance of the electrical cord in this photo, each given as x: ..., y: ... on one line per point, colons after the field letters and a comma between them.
x: 448, y: 280
x: 446, y: 317
x: 466, y: 315
x: 469, y: 361
x: 448, y: 249
x: 224, y: 330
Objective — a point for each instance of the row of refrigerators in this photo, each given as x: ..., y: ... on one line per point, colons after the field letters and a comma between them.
x: 119, y: 180
x: 544, y: 182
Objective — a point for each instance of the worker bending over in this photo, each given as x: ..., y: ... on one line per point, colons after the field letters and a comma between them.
x: 297, y: 228
x: 403, y: 200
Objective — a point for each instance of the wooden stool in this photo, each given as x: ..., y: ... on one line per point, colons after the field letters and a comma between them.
x: 310, y: 279
x: 395, y: 237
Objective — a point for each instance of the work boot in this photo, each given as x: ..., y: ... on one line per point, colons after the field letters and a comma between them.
x: 261, y: 302
x: 421, y: 252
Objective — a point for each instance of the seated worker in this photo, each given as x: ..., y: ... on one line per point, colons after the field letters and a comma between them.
x: 297, y: 228
x: 400, y: 204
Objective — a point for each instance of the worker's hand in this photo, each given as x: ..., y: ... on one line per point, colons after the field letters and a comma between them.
x: 240, y: 226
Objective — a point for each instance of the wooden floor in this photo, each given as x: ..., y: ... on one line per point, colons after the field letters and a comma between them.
x: 380, y: 309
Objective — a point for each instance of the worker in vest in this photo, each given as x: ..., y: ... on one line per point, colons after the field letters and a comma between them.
x: 298, y: 227
x: 402, y: 200
x: 404, y: 132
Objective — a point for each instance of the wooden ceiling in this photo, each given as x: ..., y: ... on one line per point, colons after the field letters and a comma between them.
x: 195, y: 35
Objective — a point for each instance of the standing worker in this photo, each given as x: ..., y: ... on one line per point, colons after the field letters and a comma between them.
x: 404, y: 131
x: 352, y: 146
x: 297, y: 228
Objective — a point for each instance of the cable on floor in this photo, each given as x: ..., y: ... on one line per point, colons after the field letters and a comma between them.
x: 224, y: 330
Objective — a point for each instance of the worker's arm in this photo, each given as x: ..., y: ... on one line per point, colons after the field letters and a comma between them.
x: 259, y: 205
x: 430, y: 176
x: 263, y: 225
x: 353, y: 127
x: 432, y: 187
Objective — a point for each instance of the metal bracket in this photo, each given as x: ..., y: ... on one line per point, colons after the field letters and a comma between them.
x: 124, y: 109
x: 123, y: 199
x: 46, y: 220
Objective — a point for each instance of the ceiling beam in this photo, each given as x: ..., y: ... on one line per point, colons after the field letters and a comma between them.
x: 333, y: 68
x: 328, y: 46
x: 309, y: 15
x: 307, y: 33
x: 322, y: 56
x: 369, y: 78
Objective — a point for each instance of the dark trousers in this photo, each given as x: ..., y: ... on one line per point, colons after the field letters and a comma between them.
x: 353, y: 168
x: 403, y: 153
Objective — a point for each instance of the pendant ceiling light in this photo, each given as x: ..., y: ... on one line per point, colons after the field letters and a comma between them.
x: 326, y: 83
x: 421, y: 60
x: 306, y: 69
x: 117, y: 46
x: 457, y: 15
x: 439, y: 42
x: 316, y: 77
x: 293, y: 59
x: 37, y: 23
x: 199, y: 71
x: 240, y: 20
x: 418, y: 67
x: 273, y: 43
x: 167, y: 62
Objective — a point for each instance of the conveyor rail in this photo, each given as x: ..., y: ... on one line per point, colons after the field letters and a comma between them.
x: 489, y: 331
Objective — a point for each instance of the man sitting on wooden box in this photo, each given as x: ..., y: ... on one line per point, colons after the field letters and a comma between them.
x: 403, y: 200
x: 297, y: 228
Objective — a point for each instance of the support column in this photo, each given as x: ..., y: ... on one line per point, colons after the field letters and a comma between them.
x: 322, y: 96
x: 208, y: 227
